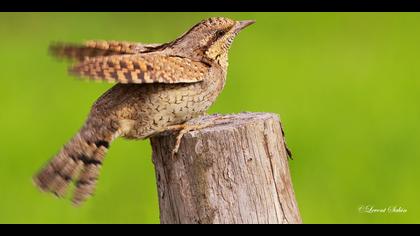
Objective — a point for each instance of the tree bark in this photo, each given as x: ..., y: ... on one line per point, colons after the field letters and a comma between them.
x: 234, y: 171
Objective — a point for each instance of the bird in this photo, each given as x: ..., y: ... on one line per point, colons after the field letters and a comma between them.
x: 158, y: 87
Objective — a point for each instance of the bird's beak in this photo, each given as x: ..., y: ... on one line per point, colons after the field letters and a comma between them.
x: 243, y: 24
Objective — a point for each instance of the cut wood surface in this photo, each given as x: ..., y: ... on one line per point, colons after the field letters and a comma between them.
x: 234, y: 171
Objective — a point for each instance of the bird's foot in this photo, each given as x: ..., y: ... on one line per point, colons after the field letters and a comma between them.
x: 187, y: 127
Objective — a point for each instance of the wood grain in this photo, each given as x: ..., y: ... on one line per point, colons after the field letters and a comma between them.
x: 235, y: 171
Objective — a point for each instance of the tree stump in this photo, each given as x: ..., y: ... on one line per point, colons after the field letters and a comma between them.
x: 234, y: 171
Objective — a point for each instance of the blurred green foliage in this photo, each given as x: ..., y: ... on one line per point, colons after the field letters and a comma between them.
x: 345, y: 84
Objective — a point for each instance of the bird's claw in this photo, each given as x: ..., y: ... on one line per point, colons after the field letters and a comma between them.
x: 185, y: 128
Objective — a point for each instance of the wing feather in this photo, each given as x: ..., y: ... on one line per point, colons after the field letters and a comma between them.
x: 141, y: 69
x: 97, y: 48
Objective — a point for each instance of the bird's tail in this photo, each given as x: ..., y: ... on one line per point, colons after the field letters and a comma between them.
x: 79, y: 161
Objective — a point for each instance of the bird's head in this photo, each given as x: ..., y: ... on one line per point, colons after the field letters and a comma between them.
x: 210, y: 39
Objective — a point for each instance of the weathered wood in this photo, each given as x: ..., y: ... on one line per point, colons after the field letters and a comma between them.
x: 235, y: 171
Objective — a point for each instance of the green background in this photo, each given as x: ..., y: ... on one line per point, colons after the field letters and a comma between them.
x: 346, y: 86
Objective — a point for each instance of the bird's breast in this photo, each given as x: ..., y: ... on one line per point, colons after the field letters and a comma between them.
x: 163, y: 105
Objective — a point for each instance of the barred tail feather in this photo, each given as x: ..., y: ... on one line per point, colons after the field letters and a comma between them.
x: 80, y: 162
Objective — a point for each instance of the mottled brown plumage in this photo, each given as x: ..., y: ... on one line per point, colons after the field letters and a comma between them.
x: 142, y: 69
x: 160, y: 86
x: 96, y: 48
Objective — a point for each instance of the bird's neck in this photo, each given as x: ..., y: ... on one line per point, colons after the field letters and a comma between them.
x: 198, y: 54
x: 220, y: 67
x: 222, y: 60
x: 188, y: 46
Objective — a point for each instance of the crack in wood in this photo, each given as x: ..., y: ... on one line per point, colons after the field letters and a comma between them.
x: 232, y: 172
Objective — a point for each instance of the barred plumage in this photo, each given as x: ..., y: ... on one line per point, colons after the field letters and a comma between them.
x: 80, y: 161
x: 159, y: 87
x: 97, y: 48
x: 140, y: 69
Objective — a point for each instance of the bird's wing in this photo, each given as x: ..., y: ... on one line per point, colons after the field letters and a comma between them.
x: 141, y: 69
x: 97, y: 48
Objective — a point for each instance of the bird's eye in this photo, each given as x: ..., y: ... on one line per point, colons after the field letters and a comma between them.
x: 220, y: 33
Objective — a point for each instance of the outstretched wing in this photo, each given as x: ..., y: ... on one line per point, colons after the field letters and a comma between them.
x: 141, y: 69
x: 97, y: 48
